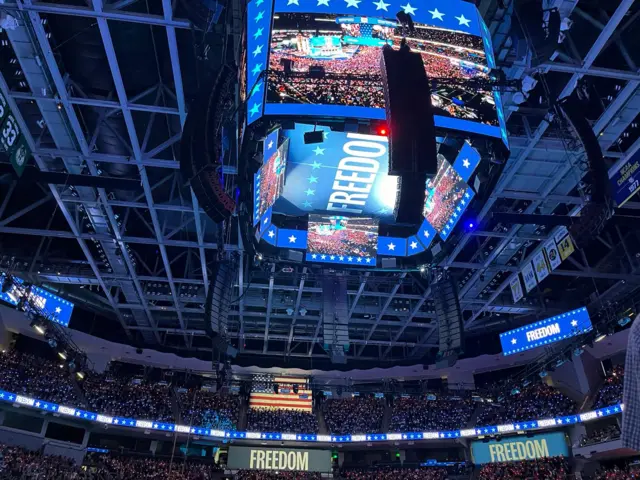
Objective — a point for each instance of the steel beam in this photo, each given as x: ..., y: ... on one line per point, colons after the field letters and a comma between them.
x: 296, y: 311
x: 269, y: 305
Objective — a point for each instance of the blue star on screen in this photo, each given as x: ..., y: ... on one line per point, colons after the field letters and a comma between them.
x: 258, y: 23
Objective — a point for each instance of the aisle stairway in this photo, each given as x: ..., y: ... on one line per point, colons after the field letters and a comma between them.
x: 79, y: 393
x: 322, y: 425
x: 242, y: 416
x: 386, y: 418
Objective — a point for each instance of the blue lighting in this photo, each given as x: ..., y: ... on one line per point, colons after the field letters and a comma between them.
x: 473, y: 432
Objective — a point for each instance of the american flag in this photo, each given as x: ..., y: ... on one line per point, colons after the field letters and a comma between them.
x: 263, y: 396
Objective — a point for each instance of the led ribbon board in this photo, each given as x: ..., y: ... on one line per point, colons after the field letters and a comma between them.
x: 259, y: 13
x: 58, y: 309
x: 325, y: 54
x: 520, y: 426
x: 545, y: 332
x: 346, y: 174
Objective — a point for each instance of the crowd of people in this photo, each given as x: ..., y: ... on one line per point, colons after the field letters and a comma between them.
x: 423, y: 473
x: 34, y: 376
x: 354, y: 415
x: 604, y: 434
x: 618, y: 472
x: 416, y: 414
x: 117, y: 394
x: 554, y: 468
x: 537, y: 400
x: 117, y: 467
x: 358, y: 238
x: 611, y: 391
x: 209, y: 409
x: 257, y: 475
x: 281, y: 420
x: 18, y: 463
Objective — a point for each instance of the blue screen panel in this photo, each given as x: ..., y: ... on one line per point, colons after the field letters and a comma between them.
x: 426, y: 234
x: 341, y: 42
x: 58, y: 309
x: 259, y: 15
x: 342, y: 237
x: 520, y: 448
x: 392, y: 246
x: 414, y: 246
x: 270, y: 180
x: 292, y: 238
x: 466, y: 161
x: 341, y: 259
x: 546, y: 331
x: 345, y: 174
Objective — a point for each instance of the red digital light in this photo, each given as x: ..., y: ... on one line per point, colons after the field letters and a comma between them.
x: 382, y: 131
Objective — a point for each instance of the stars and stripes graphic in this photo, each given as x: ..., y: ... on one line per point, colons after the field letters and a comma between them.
x: 259, y: 13
x: 263, y: 396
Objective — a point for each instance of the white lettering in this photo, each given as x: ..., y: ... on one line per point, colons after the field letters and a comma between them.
x: 543, y: 332
x: 143, y: 424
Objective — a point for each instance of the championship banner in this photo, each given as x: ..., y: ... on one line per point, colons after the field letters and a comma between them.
x: 565, y: 247
x: 552, y: 254
x: 516, y: 289
x: 529, y: 277
x: 515, y: 449
x: 259, y: 458
x: 540, y: 266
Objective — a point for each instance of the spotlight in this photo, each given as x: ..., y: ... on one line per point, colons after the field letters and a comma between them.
x: 72, y: 365
x: 35, y: 324
x: 423, y: 269
x: 560, y: 362
x: 624, y: 321
x: 543, y: 373
x: 80, y: 375
x: 515, y: 391
x: 62, y: 354
x: 578, y: 351
x: 289, y: 311
x: 303, y: 312
x: 600, y: 337
x: 52, y: 343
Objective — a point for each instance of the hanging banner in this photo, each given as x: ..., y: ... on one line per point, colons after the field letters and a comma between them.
x: 565, y: 247
x: 529, y: 277
x: 516, y: 289
x: 552, y: 254
x: 540, y: 266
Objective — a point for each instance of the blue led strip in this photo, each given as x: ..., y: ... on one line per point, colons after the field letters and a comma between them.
x: 259, y: 16
x: 449, y: 14
x: 309, y: 109
x: 460, y: 207
x: 341, y: 259
x: 69, y: 411
x: 256, y: 197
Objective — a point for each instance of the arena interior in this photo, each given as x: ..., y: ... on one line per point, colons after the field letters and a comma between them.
x: 214, y: 267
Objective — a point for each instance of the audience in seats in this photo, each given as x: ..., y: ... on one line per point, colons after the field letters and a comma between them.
x: 257, y: 475
x: 209, y: 409
x: 33, y: 376
x: 116, y: 467
x: 354, y: 415
x: 423, y: 473
x: 18, y: 463
x: 555, y: 468
x: 618, y: 472
x: 535, y: 401
x: 611, y: 391
x: 117, y: 394
x: 417, y: 414
x: 281, y: 420
x: 605, y: 434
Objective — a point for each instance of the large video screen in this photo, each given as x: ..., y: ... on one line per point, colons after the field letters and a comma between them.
x: 447, y: 196
x: 323, y: 64
x: 270, y: 179
x: 342, y: 237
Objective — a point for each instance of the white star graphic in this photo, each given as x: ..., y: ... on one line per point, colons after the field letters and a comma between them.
x: 350, y: 258
x: 314, y: 256
x: 341, y: 258
x: 368, y: 260
x: 514, y: 341
x: 293, y: 2
x: 323, y: 257
x: 332, y: 257
x: 463, y: 21
x: 271, y: 234
x: 408, y: 9
x: 574, y: 323
x: 58, y: 310
x: 436, y: 14
x: 319, y: 151
x: 323, y: 2
x: 292, y: 239
x: 466, y: 163
x: 266, y: 220
x: 359, y: 259
x: 391, y: 246
x: 380, y: 5
x: 426, y: 234
x: 414, y: 245
x: 270, y: 144
x: 352, y: 3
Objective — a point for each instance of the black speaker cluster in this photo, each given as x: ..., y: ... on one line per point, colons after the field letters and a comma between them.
x: 201, y: 145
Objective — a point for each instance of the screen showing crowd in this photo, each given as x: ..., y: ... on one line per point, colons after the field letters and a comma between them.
x: 271, y: 178
x: 342, y: 236
x: 443, y: 195
x: 335, y: 60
